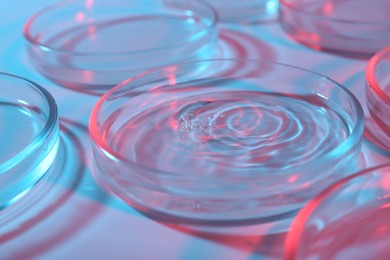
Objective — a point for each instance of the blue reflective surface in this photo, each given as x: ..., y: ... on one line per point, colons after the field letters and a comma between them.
x: 79, y: 222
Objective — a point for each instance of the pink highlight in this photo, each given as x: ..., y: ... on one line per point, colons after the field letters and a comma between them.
x: 171, y: 75
x: 173, y: 124
x: 80, y: 16
x: 92, y: 32
x: 382, y: 230
x: 386, y: 182
x: 172, y: 80
x: 89, y: 4
x: 384, y: 206
x: 293, y: 178
x: 328, y: 8
x: 88, y: 76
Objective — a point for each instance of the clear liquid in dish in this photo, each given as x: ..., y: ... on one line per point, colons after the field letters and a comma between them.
x: 121, y: 35
x: 229, y: 132
x: 18, y: 128
x: 103, y: 53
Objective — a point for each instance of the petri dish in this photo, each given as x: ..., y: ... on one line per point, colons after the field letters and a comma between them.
x: 97, y: 44
x: 11, y: 217
x: 224, y: 142
x: 352, y: 26
x: 51, y: 198
x: 29, y: 136
x: 349, y: 220
x: 377, y: 96
x: 245, y: 10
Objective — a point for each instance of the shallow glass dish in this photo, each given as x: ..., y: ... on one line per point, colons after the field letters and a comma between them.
x: 224, y: 142
x: 349, y: 220
x: 354, y: 26
x: 29, y: 136
x: 378, y: 96
x: 244, y: 10
x: 97, y: 44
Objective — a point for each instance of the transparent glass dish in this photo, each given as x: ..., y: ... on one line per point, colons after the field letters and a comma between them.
x: 97, y: 44
x: 349, y: 220
x: 353, y: 26
x: 29, y: 136
x: 224, y: 142
x: 377, y: 96
x: 244, y: 10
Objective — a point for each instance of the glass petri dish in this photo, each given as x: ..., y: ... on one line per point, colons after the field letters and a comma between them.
x: 224, y: 142
x: 377, y: 96
x: 353, y: 26
x: 349, y: 220
x: 97, y: 44
x: 29, y: 136
x: 245, y: 10
x: 50, y: 199
x: 10, y: 217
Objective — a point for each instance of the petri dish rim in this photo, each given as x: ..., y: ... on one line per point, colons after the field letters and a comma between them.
x: 371, y: 78
x: 47, y: 129
x: 346, y: 145
x: 270, y: 10
x: 298, y: 224
x: 286, y: 3
x: 31, y: 40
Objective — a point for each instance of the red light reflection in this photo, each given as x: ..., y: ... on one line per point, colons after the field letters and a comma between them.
x: 89, y: 4
x: 171, y: 75
x: 328, y: 8
x: 80, y: 16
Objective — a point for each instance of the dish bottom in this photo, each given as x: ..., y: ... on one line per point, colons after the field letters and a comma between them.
x: 223, y: 226
x: 19, y: 127
x: 116, y: 49
x: 221, y: 149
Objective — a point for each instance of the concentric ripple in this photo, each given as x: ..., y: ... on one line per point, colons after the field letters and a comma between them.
x: 226, y: 132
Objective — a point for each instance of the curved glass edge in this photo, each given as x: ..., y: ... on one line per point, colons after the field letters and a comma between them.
x: 289, y: 5
x: 279, y: 223
x: 256, y: 11
x: 338, y: 36
x: 50, y: 126
x: 44, y: 48
x: 41, y: 169
x: 297, y: 227
x: 371, y: 79
x: 35, y: 199
x: 44, y: 147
